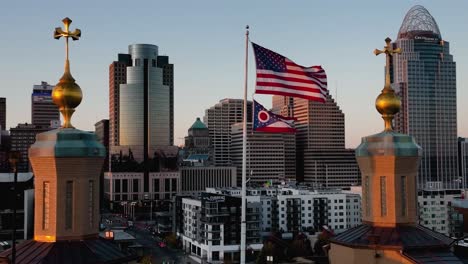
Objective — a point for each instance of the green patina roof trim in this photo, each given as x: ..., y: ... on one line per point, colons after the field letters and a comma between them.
x: 67, y: 142
x: 198, y: 124
x: 388, y: 143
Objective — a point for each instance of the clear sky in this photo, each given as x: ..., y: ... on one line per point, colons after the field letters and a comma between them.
x: 205, y: 41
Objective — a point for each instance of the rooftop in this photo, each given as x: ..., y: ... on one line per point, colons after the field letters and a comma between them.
x: 419, y: 22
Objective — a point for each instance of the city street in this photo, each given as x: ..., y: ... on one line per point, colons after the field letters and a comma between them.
x: 143, y: 237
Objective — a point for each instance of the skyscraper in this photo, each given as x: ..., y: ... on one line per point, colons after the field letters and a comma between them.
x: 2, y: 113
x: 322, y: 159
x: 141, y: 109
x: 117, y: 76
x: 43, y: 110
x: 141, y: 100
x: 424, y: 76
x: 219, y: 119
x: 271, y: 157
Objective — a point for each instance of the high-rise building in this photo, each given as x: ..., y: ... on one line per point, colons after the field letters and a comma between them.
x: 141, y: 109
x: 463, y: 161
x: 424, y: 76
x: 219, y: 119
x: 22, y: 137
x: 2, y: 113
x: 271, y: 157
x: 389, y: 231
x: 141, y: 98
x: 117, y: 76
x: 322, y: 159
x: 44, y: 112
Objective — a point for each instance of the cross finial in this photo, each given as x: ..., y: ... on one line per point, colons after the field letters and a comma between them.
x: 67, y: 93
x: 388, y: 103
x: 389, y: 53
x: 58, y: 33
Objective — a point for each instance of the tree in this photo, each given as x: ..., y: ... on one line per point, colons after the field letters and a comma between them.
x: 146, y: 260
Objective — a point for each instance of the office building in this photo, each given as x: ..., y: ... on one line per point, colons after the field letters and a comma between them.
x: 141, y: 111
x: 22, y: 137
x: 219, y: 119
x: 322, y: 159
x: 463, y: 161
x: 2, y: 113
x: 117, y: 76
x: 195, y: 179
x: 141, y: 89
x: 437, y: 213
x: 210, y: 228
x: 389, y: 232
x: 271, y: 157
x: 44, y: 112
x: 101, y: 129
x: 128, y: 186
x: 24, y: 205
x: 424, y: 76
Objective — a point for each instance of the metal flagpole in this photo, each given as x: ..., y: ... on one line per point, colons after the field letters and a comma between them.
x: 244, y: 154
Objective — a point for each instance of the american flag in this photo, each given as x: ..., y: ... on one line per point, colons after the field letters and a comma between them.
x: 279, y: 75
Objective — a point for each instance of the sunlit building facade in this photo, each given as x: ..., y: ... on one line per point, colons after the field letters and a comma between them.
x: 424, y: 76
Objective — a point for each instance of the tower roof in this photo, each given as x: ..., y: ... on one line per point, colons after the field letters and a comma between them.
x: 419, y: 22
x: 198, y: 124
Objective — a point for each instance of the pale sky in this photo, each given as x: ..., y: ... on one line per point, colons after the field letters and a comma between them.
x: 205, y: 41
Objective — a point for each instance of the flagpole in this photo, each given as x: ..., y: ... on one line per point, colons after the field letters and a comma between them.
x: 244, y: 155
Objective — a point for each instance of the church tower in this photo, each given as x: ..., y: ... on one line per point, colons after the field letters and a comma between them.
x: 67, y: 163
x: 389, y: 163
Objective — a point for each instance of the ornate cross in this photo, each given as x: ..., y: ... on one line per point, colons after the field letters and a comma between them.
x: 58, y: 33
x: 389, y: 53
x: 388, y: 103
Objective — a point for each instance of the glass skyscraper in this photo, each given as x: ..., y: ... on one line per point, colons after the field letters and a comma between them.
x: 424, y: 76
x: 144, y: 101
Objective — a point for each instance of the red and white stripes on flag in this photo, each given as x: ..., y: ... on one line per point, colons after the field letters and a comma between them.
x: 279, y: 75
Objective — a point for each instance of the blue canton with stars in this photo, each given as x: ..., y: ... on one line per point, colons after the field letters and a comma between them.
x: 268, y: 60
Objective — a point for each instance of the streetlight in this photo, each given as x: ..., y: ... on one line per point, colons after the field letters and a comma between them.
x: 14, y: 158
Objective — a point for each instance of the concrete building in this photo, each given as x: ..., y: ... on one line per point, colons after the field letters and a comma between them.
x: 292, y: 208
x: 271, y: 157
x: 437, y: 213
x: 44, y: 112
x: 322, y: 159
x: 219, y: 119
x: 24, y: 206
x: 117, y: 76
x: 424, y: 76
x: 22, y: 137
x: 210, y: 228
x: 194, y: 180
x: 2, y: 113
x: 128, y: 186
